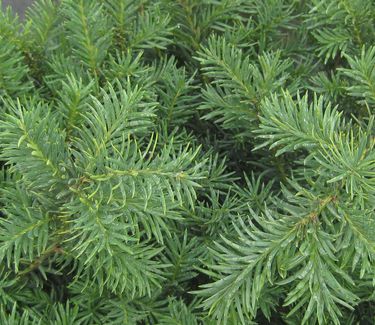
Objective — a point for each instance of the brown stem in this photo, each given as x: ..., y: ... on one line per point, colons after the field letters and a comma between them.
x: 56, y: 249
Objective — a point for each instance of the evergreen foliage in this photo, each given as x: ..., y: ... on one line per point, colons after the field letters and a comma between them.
x: 188, y: 162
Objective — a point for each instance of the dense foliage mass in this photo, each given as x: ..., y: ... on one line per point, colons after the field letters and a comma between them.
x: 188, y: 162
